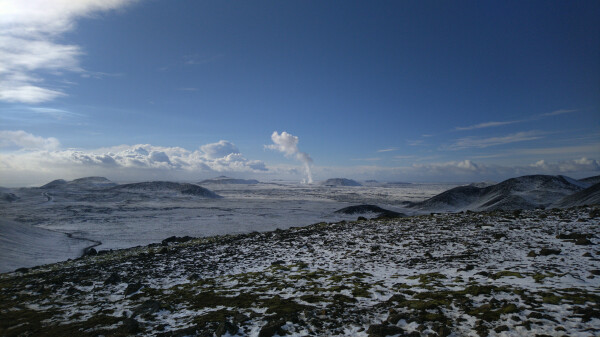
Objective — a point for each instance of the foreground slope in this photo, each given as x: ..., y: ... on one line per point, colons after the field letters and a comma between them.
x: 526, y: 192
x: 471, y: 274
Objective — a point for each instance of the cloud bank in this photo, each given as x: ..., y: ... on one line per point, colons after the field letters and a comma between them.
x: 31, y: 46
x: 288, y: 145
x: 34, y: 159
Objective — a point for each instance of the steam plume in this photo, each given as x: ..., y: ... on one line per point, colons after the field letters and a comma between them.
x: 288, y: 144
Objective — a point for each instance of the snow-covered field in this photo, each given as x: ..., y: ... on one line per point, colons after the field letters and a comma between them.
x: 499, y: 273
x: 119, y: 219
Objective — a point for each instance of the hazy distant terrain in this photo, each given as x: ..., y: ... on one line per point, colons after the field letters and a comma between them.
x: 127, y: 215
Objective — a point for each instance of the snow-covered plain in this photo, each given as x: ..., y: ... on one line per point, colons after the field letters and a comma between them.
x: 499, y: 273
x: 89, y: 209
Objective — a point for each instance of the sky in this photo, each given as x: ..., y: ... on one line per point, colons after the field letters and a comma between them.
x: 416, y: 91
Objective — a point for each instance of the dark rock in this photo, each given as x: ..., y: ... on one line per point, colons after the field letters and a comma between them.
x: 382, y: 330
x: 22, y: 270
x: 226, y: 327
x: 443, y: 331
x: 240, y: 318
x: 272, y: 328
x: 130, y: 325
x: 114, y: 278
x: 176, y: 239
x: 132, y: 288
x: 361, y: 218
x: 583, y: 242
x: 501, y: 328
x: 532, y: 254
x: 549, y: 251
x: 90, y: 251
x: 148, y: 307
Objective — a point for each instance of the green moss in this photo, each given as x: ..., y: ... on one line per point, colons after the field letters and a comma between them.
x: 551, y: 299
x: 506, y: 273
x: 427, y: 278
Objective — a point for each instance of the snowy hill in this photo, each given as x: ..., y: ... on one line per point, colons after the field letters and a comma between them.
x: 526, y: 192
x: 335, y: 182
x: 82, y: 183
x: 589, y: 196
x: 591, y: 180
x: 224, y: 180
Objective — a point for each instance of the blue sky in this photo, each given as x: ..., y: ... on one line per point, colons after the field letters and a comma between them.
x: 410, y: 90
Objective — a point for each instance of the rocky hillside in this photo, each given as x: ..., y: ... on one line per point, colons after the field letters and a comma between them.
x: 501, y: 273
x: 526, y: 192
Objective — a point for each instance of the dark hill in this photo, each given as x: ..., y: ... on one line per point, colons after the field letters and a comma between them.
x: 526, y: 192
x: 86, y: 183
x: 591, y: 180
x: 334, y: 182
x: 589, y: 196
x: 158, y: 186
x: 223, y: 180
x: 54, y: 183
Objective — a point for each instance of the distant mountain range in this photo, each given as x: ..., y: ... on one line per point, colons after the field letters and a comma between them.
x: 100, y: 188
x: 223, y: 180
x: 526, y: 192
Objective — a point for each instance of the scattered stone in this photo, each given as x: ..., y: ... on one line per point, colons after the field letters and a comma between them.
x: 272, y: 328
x: 114, y: 278
x: 90, y: 251
x: 382, y: 330
x: 130, y: 325
x: 226, y: 328
x: 549, y: 251
x: 132, y: 288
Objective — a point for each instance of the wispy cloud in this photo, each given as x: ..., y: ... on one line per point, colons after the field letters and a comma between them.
x: 30, y: 46
x: 387, y: 150
x: 366, y: 159
x: 473, y: 142
x: 59, y: 114
x: 501, y: 123
x: 484, y: 125
x: 557, y: 112
x: 195, y: 59
x: 187, y: 89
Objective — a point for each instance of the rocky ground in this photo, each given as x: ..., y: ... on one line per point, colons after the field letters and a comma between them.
x: 517, y: 273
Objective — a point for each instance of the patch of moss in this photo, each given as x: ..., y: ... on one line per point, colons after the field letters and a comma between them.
x: 506, y: 273
x: 427, y: 278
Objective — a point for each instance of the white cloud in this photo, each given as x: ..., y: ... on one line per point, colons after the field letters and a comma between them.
x: 23, y: 140
x: 30, y: 32
x: 220, y: 149
x: 472, y: 142
x: 39, y: 158
x: 387, y: 150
